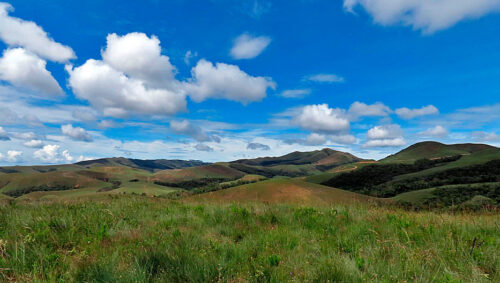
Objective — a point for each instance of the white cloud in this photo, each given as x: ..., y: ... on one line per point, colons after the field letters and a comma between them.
x: 133, y: 78
x: 25, y: 136
x: 296, y: 93
x: 117, y: 95
x: 51, y: 153
x: 139, y: 57
x: 17, y: 32
x: 474, y: 117
x: 25, y: 70
x: 227, y: 82
x: 437, y: 131
x: 105, y: 124
x: 84, y: 115
x: 321, y: 118
x: 384, y: 132
x: 184, y: 127
x: 385, y: 136
x: 485, y: 136
x: 188, y: 56
x: 359, y: 109
x: 385, y: 142
x: 315, y: 139
x: 4, y: 136
x: 76, y: 133
x: 426, y: 15
x: 258, y: 146
x: 407, y: 113
x: 342, y: 139
x: 247, y: 46
x: 203, y: 147
x: 34, y: 143
x: 14, y: 155
x: 325, y: 78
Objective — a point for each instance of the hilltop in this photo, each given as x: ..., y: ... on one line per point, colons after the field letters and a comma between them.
x: 431, y: 149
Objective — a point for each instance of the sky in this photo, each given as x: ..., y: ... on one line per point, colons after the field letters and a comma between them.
x: 221, y: 80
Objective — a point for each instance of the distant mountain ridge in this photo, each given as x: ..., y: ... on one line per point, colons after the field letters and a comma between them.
x: 144, y: 164
x: 320, y: 157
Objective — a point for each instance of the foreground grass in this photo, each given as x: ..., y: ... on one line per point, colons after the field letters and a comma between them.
x: 131, y: 239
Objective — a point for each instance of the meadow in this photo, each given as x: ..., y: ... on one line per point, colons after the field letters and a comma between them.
x: 124, y: 238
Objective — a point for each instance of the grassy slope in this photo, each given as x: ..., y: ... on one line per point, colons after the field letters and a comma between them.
x: 322, y: 177
x: 135, y: 239
x: 283, y: 191
x: 192, y: 173
x: 431, y: 150
x: 419, y: 197
x: 479, y: 157
x: 69, y: 179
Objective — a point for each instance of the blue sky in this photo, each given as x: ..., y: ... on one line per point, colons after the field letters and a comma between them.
x: 220, y: 80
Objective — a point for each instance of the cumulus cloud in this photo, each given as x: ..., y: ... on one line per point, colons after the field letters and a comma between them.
x: 84, y: 115
x: 134, y: 77
x: 295, y: 93
x: 258, y: 146
x: 227, y: 82
x: 25, y: 70
x: 407, y: 113
x: 321, y: 118
x: 4, y: 136
x: 385, y: 142
x: 13, y: 156
x: 247, y: 46
x: 25, y: 136
x: 426, y: 15
x: 384, y: 132
x: 139, y: 56
x: 51, y: 153
x: 118, y: 95
x: 315, y: 139
x: 184, y: 127
x: 203, y: 147
x: 342, y: 139
x: 76, y: 133
x: 359, y: 109
x: 105, y: 124
x: 385, y: 136
x: 17, y: 32
x: 34, y: 143
x: 437, y: 131
x: 325, y: 78
x: 485, y: 136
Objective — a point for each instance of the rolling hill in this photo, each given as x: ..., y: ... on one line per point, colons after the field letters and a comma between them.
x: 148, y: 165
x: 324, y: 157
x: 432, y: 150
x: 283, y: 191
x: 423, y: 173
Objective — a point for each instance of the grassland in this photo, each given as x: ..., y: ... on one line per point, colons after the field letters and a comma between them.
x: 138, y: 239
x: 289, y: 190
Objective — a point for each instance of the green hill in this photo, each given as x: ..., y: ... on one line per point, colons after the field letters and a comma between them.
x: 283, y: 191
x: 148, y: 165
x: 326, y: 157
x: 295, y: 164
x: 432, y: 150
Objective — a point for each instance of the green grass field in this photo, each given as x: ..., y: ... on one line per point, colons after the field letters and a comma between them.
x: 138, y: 239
